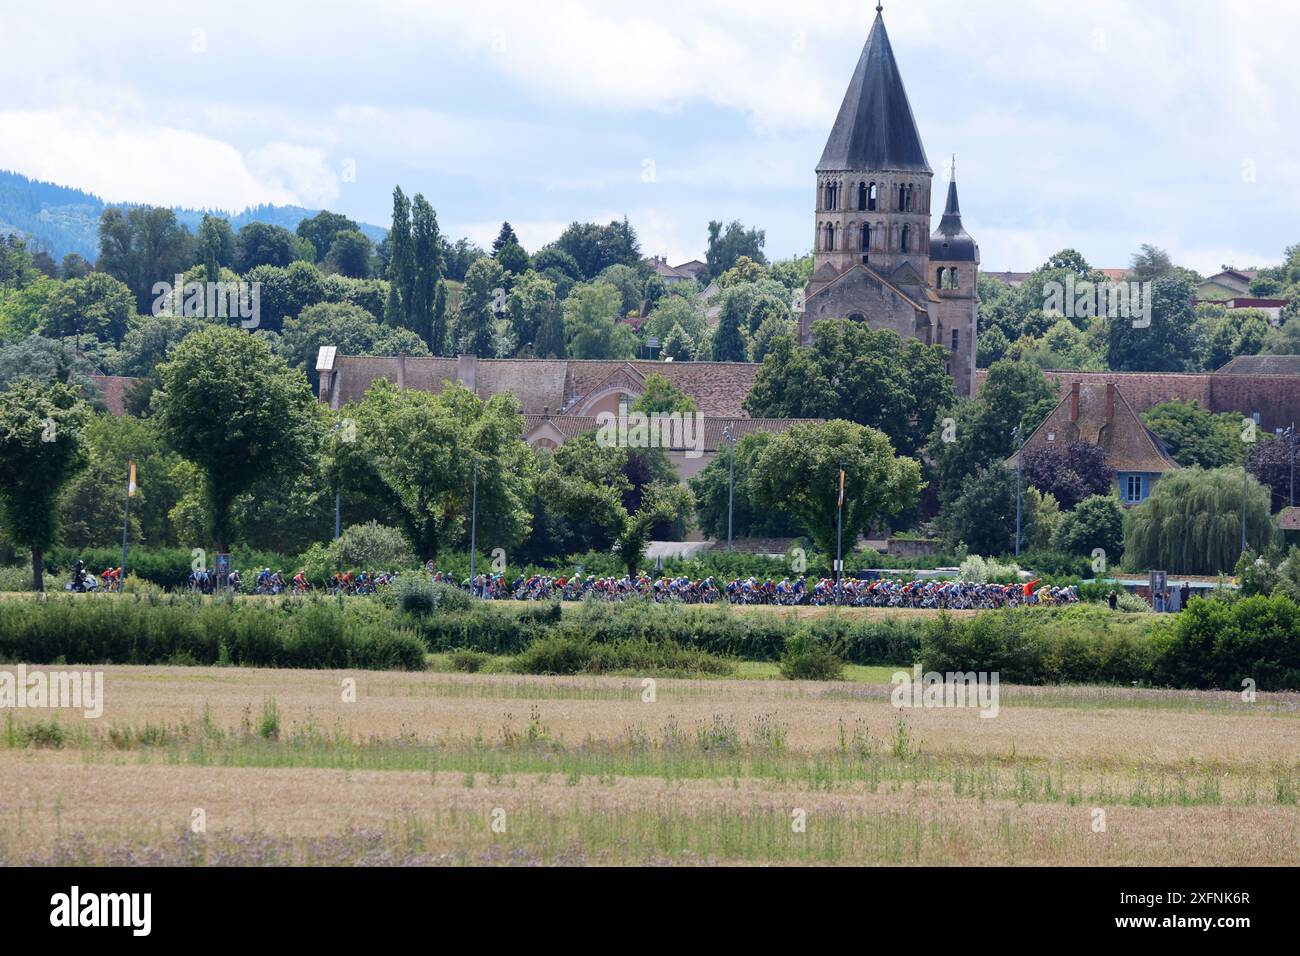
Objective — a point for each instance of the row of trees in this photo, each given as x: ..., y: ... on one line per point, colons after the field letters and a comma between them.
x: 237, y: 449
x: 1017, y: 323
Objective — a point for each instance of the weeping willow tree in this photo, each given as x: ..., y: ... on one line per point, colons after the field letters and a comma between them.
x: 1191, y: 524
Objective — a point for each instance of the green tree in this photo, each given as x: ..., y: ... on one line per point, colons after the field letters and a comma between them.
x: 413, y: 454
x: 438, y: 337
x: 531, y: 303
x: 799, y: 470
x: 349, y: 255
x: 713, y: 487
x: 425, y: 246
x: 980, y: 430
x: 1096, y: 524
x: 591, y: 324
x: 352, y: 329
x: 259, y: 244
x: 678, y: 345
x: 587, y: 481
x: 98, y: 305
x: 1160, y: 346
x: 142, y: 247
x: 484, y: 298
x: 284, y: 293
x: 323, y: 228
x: 237, y: 412
x: 506, y: 237
x: 216, y: 245
x: 851, y: 372
x: 513, y: 259
x: 676, y: 310
x: 982, y: 513
x: 1191, y: 524
x: 1196, y: 436
x: 595, y: 248
x: 663, y: 397
x: 401, y: 262
x: 728, y: 338
x: 41, y: 449
x: 727, y: 247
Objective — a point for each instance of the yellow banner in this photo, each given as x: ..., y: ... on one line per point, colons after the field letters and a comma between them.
x: 130, y: 485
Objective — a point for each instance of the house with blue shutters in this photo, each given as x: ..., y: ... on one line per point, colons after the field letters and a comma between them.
x: 1098, y: 413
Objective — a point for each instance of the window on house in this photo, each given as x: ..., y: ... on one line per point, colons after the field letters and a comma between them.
x: 1134, y: 489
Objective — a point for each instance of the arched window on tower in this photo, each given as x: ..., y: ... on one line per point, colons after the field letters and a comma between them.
x: 862, y: 197
x: 941, y: 280
x: 907, y: 239
x: 866, y: 236
x: 871, y: 197
x: 830, y: 237
x: 953, y: 276
x: 902, y: 197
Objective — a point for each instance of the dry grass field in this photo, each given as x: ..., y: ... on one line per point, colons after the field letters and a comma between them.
x: 277, y: 767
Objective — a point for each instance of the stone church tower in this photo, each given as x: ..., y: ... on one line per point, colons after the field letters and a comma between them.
x: 874, y: 258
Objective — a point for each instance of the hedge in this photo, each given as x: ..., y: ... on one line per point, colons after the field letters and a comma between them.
x: 179, y: 630
x: 1214, y: 644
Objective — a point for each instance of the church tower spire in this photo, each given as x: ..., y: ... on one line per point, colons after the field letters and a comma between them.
x: 874, y: 180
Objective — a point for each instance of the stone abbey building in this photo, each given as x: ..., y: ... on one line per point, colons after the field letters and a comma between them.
x: 875, y: 259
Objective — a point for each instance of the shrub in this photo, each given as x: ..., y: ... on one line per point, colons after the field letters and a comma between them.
x: 468, y: 662
x: 807, y: 658
x: 1215, y: 644
x: 373, y: 547
x: 144, y: 629
x: 569, y: 652
x: 1038, y: 646
x: 555, y: 654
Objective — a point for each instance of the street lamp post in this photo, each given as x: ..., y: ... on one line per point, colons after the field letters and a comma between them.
x: 730, y: 438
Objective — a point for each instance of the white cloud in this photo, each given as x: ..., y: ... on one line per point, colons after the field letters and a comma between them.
x: 300, y: 170
x: 125, y: 160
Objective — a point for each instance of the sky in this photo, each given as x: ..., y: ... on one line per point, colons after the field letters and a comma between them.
x: 1098, y: 126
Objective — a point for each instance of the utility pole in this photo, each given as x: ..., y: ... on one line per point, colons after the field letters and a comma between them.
x: 1290, y: 437
x: 730, y: 438
x: 839, y: 538
x: 1020, y: 454
x: 473, y: 523
x: 1245, y: 491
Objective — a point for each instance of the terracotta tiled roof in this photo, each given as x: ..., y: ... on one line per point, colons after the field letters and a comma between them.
x: 718, y: 388
x: 1100, y: 414
x: 1262, y: 365
x: 570, y: 426
x: 114, y: 388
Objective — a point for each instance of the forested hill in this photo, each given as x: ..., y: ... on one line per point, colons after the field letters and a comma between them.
x: 59, y: 219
